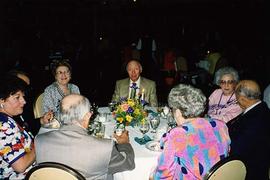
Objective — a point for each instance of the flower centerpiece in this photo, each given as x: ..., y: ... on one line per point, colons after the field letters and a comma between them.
x: 129, y: 112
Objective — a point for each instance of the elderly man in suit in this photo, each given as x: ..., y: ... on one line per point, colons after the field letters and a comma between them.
x: 144, y: 88
x: 250, y: 131
x: 95, y: 158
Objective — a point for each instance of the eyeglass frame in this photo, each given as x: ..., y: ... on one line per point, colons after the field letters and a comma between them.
x: 223, y: 82
x: 63, y: 72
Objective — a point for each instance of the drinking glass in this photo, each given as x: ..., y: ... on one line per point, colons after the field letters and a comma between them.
x: 166, y: 111
x: 154, y: 122
x: 144, y: 127
x: 102, y: 117
x: 101, y: 131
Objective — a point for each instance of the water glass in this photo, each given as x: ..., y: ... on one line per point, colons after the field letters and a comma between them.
x: 102, y: 117
x: 154, y: 122
x: 101, y: 131
x: 144, y: 127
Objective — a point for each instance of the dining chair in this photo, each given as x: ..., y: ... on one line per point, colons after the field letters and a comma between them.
x: 37, y: 106
x: 227, y: 168
x: 53, y: 170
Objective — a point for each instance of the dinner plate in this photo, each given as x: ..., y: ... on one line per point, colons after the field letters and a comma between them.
x: 153, y: 146
x: 54, y: 124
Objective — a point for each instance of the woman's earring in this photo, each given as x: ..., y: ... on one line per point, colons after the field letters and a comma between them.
x: 1, y: 106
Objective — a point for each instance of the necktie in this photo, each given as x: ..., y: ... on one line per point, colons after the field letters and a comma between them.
x: 133, y: 90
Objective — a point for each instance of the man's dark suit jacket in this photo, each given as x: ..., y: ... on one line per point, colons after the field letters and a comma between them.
x: 250, y: 141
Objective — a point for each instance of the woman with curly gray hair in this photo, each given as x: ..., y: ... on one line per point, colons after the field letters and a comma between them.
x: 196, y: 144
x: 222, y: 102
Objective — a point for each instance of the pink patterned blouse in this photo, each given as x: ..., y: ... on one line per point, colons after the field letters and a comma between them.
x: 190, y: 150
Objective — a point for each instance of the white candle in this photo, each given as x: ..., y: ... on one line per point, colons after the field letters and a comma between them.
x: 142, y: 94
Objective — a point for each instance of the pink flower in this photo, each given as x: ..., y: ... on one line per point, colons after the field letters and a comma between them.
x: 124, y: 107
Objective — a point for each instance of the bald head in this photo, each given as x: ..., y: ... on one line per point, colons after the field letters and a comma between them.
x: 74, y: 107
x: 247, y: 93
x: 71, y: 100
x: 248, y: 88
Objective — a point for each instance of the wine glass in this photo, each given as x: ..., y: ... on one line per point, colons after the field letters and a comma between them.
x: 144, y: 127
x: 166, y: 111
x: 154, y: 122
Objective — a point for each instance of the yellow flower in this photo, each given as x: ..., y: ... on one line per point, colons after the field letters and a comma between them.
x: 137, y: 111
x: 120, y: 119
x: 131, y: 102
x: 143, y: 120
x: 129, y: 118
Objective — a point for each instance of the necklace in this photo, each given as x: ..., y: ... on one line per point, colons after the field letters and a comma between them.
x: 218, y: 106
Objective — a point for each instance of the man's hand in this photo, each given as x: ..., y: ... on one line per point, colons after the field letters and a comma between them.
x: 123, y: 138
x: 46, y: 118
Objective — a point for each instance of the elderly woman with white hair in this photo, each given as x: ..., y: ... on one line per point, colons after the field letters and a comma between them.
x: 222, y: 102
x: 196, y: 144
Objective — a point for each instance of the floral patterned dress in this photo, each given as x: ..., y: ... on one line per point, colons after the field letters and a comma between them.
x: 190, y: 150
x: 14, y: 144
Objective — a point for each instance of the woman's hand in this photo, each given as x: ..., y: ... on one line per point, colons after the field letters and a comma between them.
x: 46, y: 118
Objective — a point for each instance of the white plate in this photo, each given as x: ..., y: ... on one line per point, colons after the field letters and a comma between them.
x: 153, y: 146
x: 54, y: 124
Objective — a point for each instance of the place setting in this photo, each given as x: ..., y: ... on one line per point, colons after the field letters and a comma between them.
x: 150, y: 127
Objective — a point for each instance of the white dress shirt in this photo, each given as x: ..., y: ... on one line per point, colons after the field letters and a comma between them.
x: 138, y: 85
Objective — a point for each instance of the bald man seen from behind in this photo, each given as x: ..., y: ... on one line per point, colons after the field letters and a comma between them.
x: 94, y: 158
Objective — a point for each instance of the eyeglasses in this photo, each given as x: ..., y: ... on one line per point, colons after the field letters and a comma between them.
x: 223, y: 82
x: 63, y: 72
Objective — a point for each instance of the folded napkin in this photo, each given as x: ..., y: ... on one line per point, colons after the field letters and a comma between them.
x: 143, y: 140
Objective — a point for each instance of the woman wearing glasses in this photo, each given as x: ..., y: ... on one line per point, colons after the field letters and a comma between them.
x: 55, y: 92
x: 222, y: 102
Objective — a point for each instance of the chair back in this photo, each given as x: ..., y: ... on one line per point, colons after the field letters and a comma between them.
x: 37, y: 106
x: 228, y: 168
x: 53, y: 170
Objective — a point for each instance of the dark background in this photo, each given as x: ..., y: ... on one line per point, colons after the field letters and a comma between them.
x: 32, y: 32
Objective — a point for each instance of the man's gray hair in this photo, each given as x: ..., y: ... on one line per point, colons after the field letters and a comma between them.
x: 75, y: 112
x: 223, y: 71
x: 248, y: 92
x: 189, y: 100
